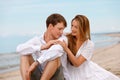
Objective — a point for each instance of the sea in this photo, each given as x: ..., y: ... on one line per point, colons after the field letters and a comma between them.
x: 10, y: 60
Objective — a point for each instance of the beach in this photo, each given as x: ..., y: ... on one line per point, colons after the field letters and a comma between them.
x: 107, y: 57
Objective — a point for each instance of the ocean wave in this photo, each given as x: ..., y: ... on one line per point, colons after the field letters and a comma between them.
x: 9, y: 61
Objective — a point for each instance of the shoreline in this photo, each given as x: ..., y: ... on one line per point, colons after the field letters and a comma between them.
x: 107, y: 57
x: 117, y: 34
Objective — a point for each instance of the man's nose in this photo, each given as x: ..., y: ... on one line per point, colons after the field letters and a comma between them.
x: 72, y: 28
x: 61, y: 32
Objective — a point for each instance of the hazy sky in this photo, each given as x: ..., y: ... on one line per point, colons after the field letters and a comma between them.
x: 27, y: 17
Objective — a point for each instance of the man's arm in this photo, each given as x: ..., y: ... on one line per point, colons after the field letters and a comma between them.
x: 53, y: 52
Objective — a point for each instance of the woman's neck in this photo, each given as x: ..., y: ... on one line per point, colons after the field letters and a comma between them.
x: 78, y: 43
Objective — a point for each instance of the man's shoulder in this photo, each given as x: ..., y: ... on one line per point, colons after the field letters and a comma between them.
x: 63, y: 37
x: 35, y: 38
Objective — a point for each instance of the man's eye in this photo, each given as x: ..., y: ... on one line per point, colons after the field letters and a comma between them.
x: 60, y: 29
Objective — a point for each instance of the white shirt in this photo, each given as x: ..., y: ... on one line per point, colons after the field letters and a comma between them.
x: 43, y: 56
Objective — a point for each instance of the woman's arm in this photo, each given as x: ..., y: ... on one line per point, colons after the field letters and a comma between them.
x: 76, y: 61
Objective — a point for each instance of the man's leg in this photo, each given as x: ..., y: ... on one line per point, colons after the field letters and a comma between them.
x: 25, y: 62
x: 50, y: 69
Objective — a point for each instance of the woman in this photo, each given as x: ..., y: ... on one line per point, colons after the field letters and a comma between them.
x: 79, y: 52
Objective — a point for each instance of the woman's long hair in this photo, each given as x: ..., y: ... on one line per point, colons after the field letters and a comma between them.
x: 84, y: 29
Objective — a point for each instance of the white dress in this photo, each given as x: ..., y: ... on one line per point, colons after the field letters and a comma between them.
x: 89, y: 70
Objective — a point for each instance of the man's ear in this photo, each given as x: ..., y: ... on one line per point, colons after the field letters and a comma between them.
x: 50, y: 26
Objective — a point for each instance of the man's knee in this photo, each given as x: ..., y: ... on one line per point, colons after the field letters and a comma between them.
x: 25, y: 62
x: 58, y: 75
x: 57, y: 60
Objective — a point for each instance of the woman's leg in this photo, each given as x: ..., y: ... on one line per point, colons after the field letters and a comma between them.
x: 25, y: 62
x: 50, y: 69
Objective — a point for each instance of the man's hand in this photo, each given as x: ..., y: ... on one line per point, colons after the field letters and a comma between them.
x: 49, y: 44
x: 31, y: 68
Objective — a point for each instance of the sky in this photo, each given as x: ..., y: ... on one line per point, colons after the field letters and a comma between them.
x: 28, y: 17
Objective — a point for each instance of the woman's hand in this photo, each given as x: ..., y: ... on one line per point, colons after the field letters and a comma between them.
x: 31, y: 68
x: 63, y: 44
x: 49, y: 44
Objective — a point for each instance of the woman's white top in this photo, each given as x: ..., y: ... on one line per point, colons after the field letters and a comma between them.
x: 89, y: 70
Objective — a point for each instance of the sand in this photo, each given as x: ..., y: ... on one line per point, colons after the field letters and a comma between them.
x: 13, y: 75
x: 108, y: 58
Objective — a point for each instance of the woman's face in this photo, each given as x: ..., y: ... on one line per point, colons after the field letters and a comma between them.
x: 75, y: 28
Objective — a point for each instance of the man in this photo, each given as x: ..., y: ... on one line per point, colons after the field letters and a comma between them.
x: 46, y: 64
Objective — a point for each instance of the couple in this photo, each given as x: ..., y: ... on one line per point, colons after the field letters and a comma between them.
x: 61, y: 57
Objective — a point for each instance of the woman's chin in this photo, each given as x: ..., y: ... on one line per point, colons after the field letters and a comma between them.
x: 73, y: 34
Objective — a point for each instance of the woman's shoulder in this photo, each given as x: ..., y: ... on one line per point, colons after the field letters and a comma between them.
x: 90, y: 42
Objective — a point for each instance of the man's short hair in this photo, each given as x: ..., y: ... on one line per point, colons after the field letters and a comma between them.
x: 54, y: 19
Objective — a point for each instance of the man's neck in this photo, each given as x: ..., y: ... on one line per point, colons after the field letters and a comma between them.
x: 47, y: 37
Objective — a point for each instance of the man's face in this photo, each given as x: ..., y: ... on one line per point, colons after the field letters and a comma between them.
x: 57, y: 30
